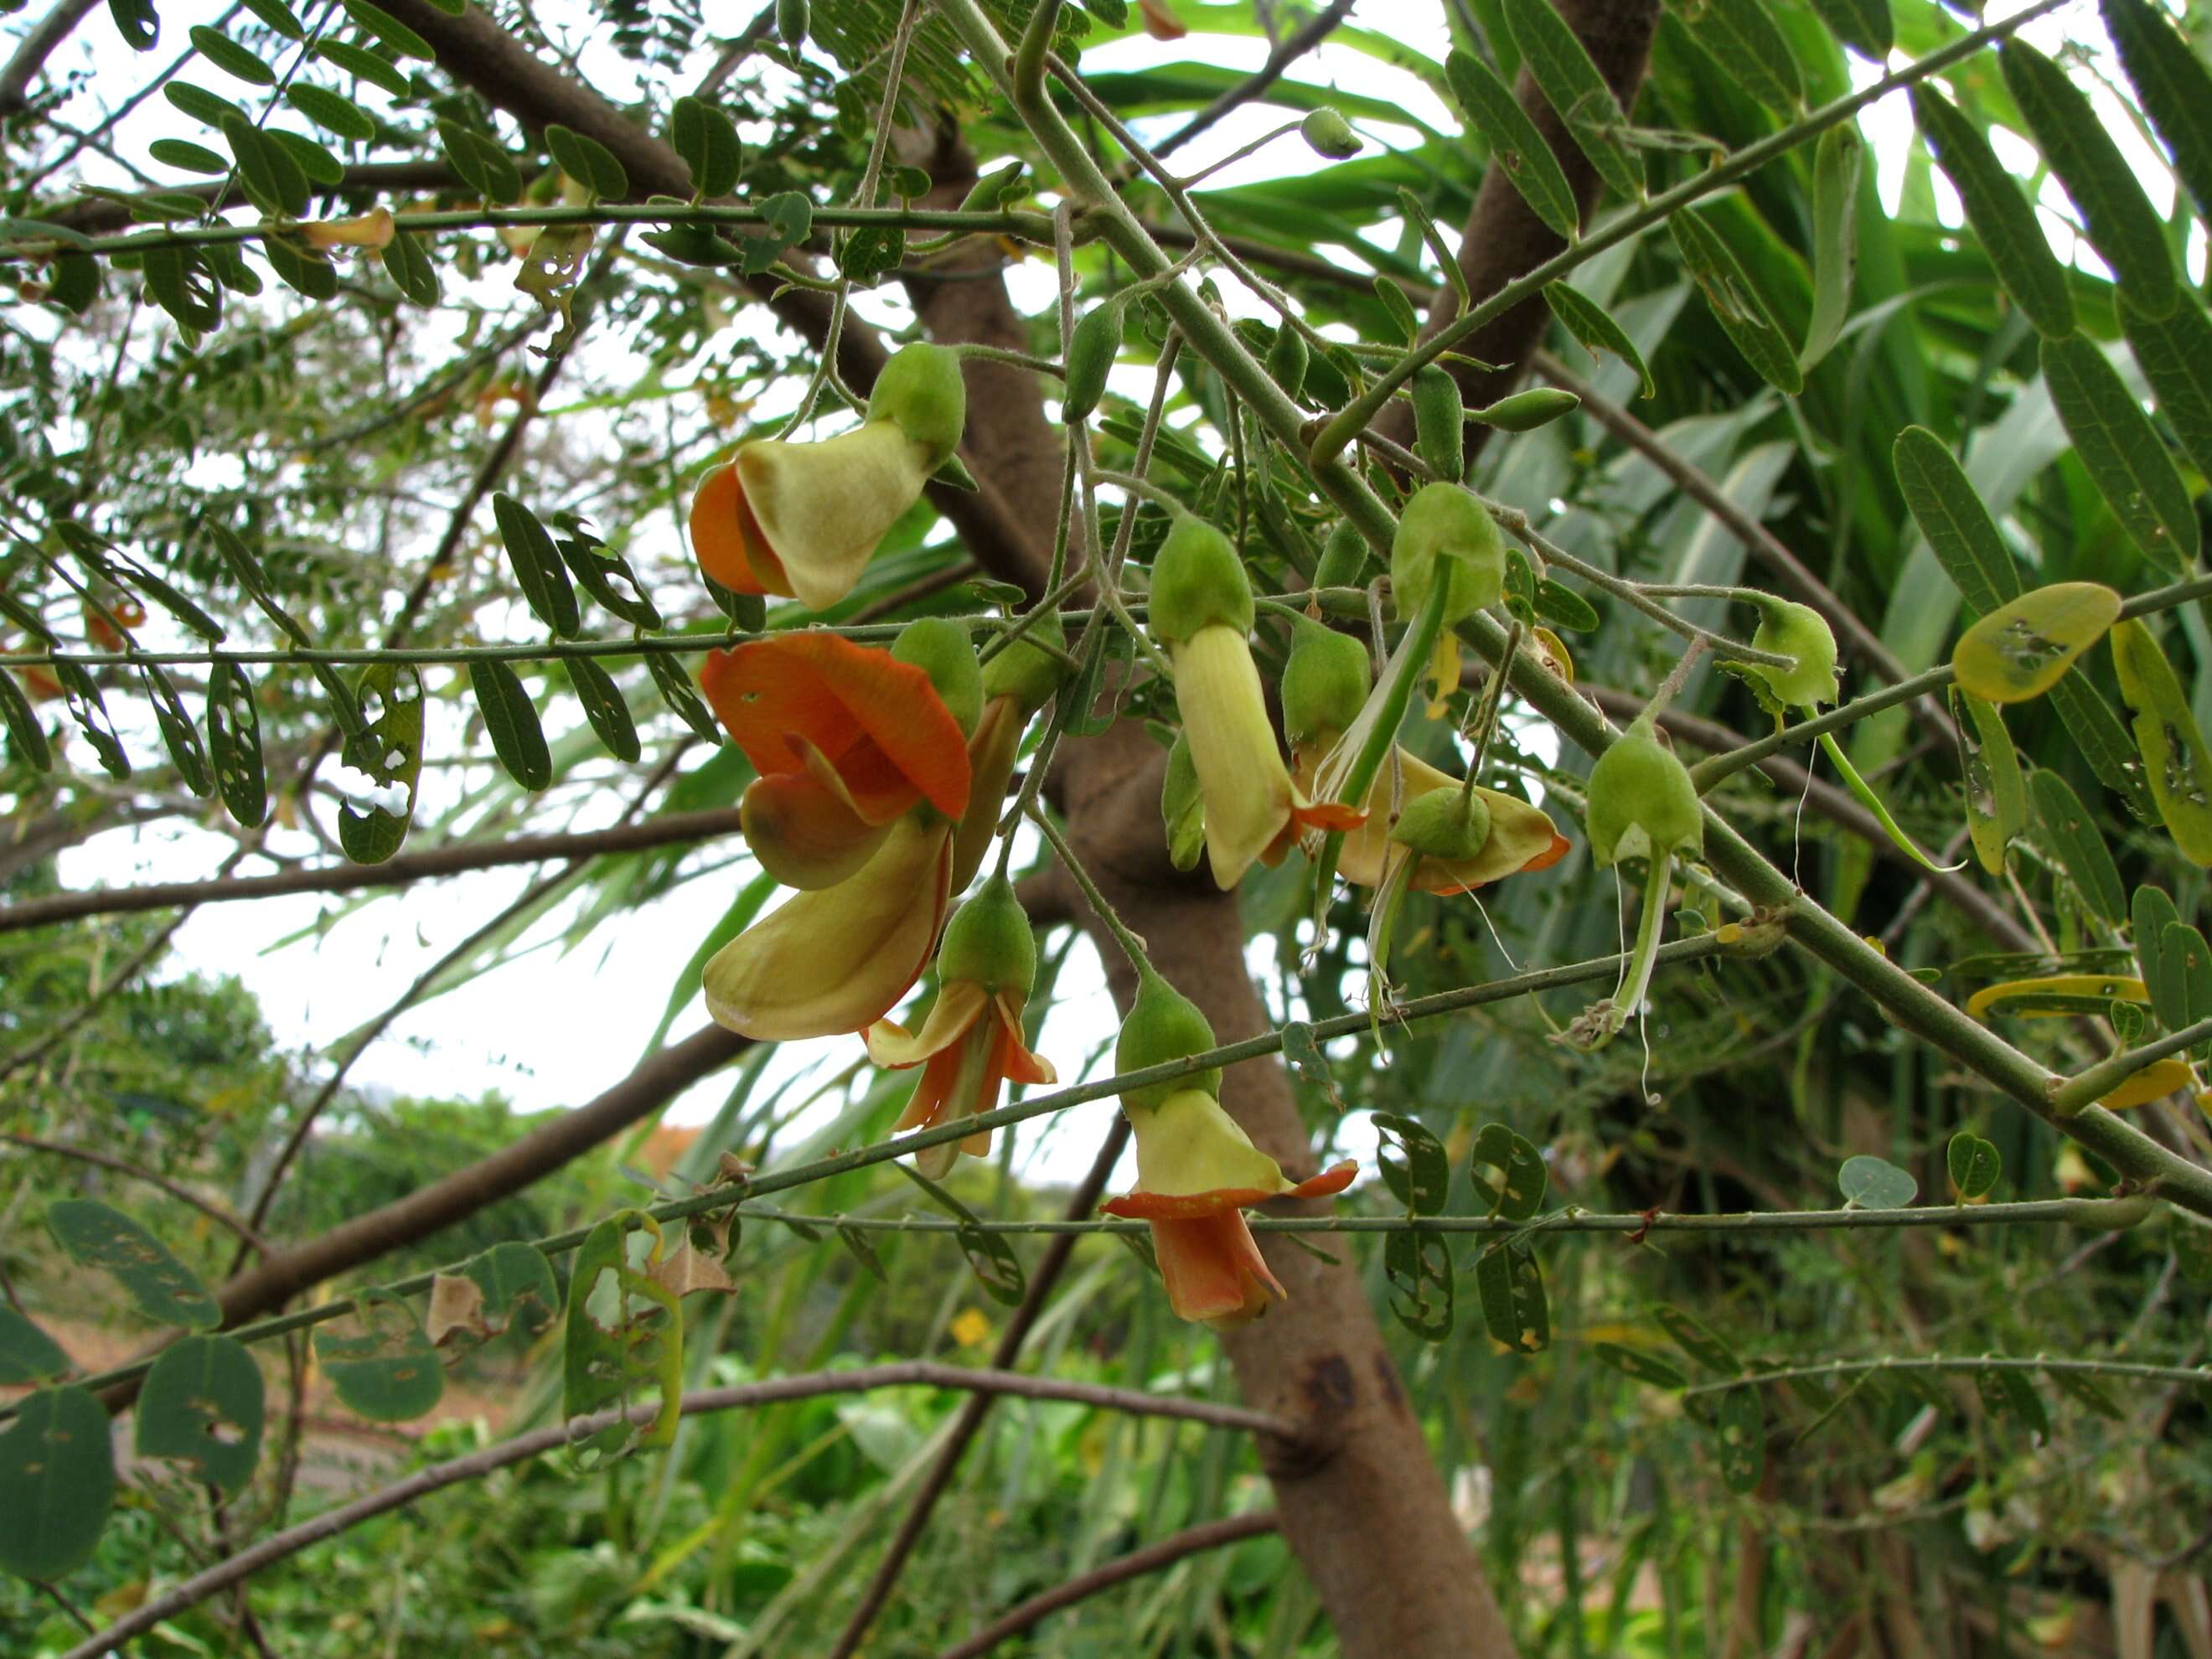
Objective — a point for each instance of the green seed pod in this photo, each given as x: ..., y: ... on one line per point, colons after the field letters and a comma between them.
x: 1330, y: 135
x: 1440, y: 423
x: 791, y: 21
x: 1642, y: 802
x: 1163, y: 1025
x: 1444, y: 824
x: 1325, y: 681
x: 1091, y: 356
x: 1796, y: 630
x: 1444, y: 525
x: 1182, y: 808
x: 939, y: 647
x: 1197, y: 582
x: 1286, y: 360
x: 1524, y: 412
x: 1343, y: 558
x: 920, y: 390
x: 1024, y: 670
x: 989, y: 942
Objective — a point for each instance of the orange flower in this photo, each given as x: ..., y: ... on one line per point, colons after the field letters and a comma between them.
x: 846, y: 738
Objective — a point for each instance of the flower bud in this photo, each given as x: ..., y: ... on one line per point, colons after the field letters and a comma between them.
x: 1445, y: 526
x: 1024, y: 670
x: 939, y: 647
x: 1642, y: 802
x: 1445, y: 824
x: 1163, y: 1025
x: 920, y: 392
x: 1197, y: 582
x: 1286, y: 360
x: 1329, y: 134
x: 989, y: 942
x: 1524, y: 412
x: 1343, y: 558
x: 1325, y: 682
x: 1091, y: 356
x: 1182, y: 807
x: 1796, y: 630
x: 1440, y: 423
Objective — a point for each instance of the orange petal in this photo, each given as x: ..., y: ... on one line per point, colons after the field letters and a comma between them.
x: 1186, y: 1206
x: 727, y: 538
x: 925, y: 1109
x: 1213, y: 1271
x: 1331, y: 1181
x: 1016, y: 1061
x: 805, y: 834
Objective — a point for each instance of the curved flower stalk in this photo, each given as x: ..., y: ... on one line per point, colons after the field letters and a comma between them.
x: 848, y: 739
x: 802, y: 519
x: 971, y: 1042
x: 1201, y: 609
x: 1197, y: 1170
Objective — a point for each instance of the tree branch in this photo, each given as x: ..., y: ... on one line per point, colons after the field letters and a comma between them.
x: 214, y: 1212
x: 1293, y: 48
x: 909, y: 1374
x: 43, y: 40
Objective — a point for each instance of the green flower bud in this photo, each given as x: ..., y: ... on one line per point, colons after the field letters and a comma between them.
x: 1287, y: 361
x: 1642, y: 802
x: 939, y: 647
x: 1440, y: 423
x: 921, y: 392
x: 1182, y: 808
x: 1324, y: 681
x: 1343, y: 558
x: 1445, y: 824
x: 1524, y: 412
x: 1163, y: 1025
x: 1796, y: 630
x: 1026, y: 671
x: 1197, y: 582
x: 1091, y: 356
x: 1445, y: 525
x: 1330, y: 135
x: 989, y: 942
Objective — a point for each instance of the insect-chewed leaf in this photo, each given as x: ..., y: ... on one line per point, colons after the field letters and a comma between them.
x: 2176, y: 763
x: 538, y: 565
x: 1562, y: 69
x: 518, y: 1286
x: 2122, y: 452
x: 89, y: 710
x: 1974, y: 1164
x: 233, y: 723
x: 2019, y: 650
x: 1740, y: 1437
x: 1518, y: 1193
x: 2081, y: 849
x: 27, y: 1354
x: 164, y: 1289
x: 1418, y: 1267
x: 991, y: 1258
x: 57, y: 1467
x: 1414, y: 1163
x: 1514, y: 1308
x: 389, y: 752
x: 178, y: 735
x: 1740, y: 309
x: 2049, y: 996
x: 511, y: 718
x: 787, y: 219
x: 24, y: 731
x: 137, y: 21
x: 624, y: 1332
x: 1696, y: 1339
x: 388, y: 1371
x: 1875, y: 1183
x: 2183, y: 994
x: 604, y: 705
x: 1514, y: 144
x: 2008, y: 1393
x: 2174, y: 86
x: 202, y: 1406
x: 1996, y: 789
x: 1594, y: 330
x: 707, y: 141
x: 1637, y: 1364
x: 2002, y: 218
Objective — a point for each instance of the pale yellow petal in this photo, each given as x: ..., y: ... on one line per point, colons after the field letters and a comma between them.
x: 955, y: 1011
x: 1241, y: 775
x: 1188, y: 1145
x: 823, y: 507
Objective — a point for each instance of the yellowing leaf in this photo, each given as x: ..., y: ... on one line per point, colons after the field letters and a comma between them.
x: 2057, y: 993
x: 2023, y: 648
x: 2154, y: 1082
x: 2176, y: 763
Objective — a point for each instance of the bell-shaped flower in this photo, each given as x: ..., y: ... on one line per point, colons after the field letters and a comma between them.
x: 1522, y: 838
x: 1196, y: 1169
x: 839, y: 958
x: 848, y: 739
x: 1201, y: 609
x: 803, y: 519
x: 971, y: 1042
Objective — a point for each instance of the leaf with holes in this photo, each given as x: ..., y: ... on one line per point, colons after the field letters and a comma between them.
x: 2176, y: 763
x: 202, y: 1406
x: 707, y: 141
x: 27, y: 1354
x: 1740, y: 308
x: 388, y: 751
x: 1875, y: 1183
x: 624, y: 1332
x: 2081, y: 849
x: 387, y: 1372
x: 1739, y: 1438
x: 518, y: 1286
x: 604, y: 705
x: 1414, y: 1163
x: 1996, y: 789
x: 165, y: 1290
x: 137, y: 21
x: 607, y: 577
x: 871, y: 253
x: 2024, y: 647
x: 178, y: 735
x: 788, y: 219
x: 1974, y: 1164
x: 233, y: 723
x: 1418, y: 1267
x: 89, y: 710
x: 511, y: 718
x: 1514, y: 1308
x: 1514, y: 144
x: 57, y: 1467
x: 538, y: 566
x: 1518, y: 1193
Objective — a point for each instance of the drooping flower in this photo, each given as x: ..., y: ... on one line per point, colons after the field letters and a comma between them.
x: 848, y: 739
x: 1197, y: 1169
x: 971, y: 1042
x: 1522, y: 838
x: 802, y: 519
x: 1201, y: 609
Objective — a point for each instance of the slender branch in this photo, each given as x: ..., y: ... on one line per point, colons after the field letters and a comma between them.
x: 741, y: 1396
x: 2108, y: 1075
x: 1192, y: 1541
x: 1293, y: 48
x: 2200, y: 1374
x: 214, y: 1212
x: 38, y: 43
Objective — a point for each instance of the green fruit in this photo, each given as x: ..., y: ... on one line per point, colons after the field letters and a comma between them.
x: 1343, y: 558
x: 1197, y: 582
x: 1330, y: 135
x: 1642, y: 802
x: 1524, y: 412
x: 1163, y: 1025
x: 1287, y: 361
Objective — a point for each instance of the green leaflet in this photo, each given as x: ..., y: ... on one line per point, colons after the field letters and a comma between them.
x: 1418, y: 1267
x: 2122, y: 451
x: 1836, y: 166
x: 2175, y: 759
x: 1515, y: 1309
x: 588, y: 162
x: 389, y: 1372
x: 2000, y: 214
x: 2150, y: 914
x: 1973, y: 1164
x: 1742, y: 36
x: 233, y: 723
x: 27, y: 1354
x: 511, y: 718
x: 1563, y: 70
x: 57, y: 1467
x: 201, y: 1407
x: 2175, y: 354
x: 623, y: 1333
x: 1739, y: 306
x: 165, y: 1290
x: 389, y: 750
x: 2174, y: 86
x: 604, y: 705
x: 2181, y: 995
x: 1863, y: 24
x: 1594, y: 330
x: 1739, y: 1438
x: 1413, y: 1163
x: 24, y: 731
x: 1518, y: 1193
x: 707, y: 141
x: 1996, y: 790
x: 1514, y: 144
x: 2080, y: 848
x: 538, y: 565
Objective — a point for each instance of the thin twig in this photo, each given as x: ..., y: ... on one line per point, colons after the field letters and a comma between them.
x: 214, y: 1212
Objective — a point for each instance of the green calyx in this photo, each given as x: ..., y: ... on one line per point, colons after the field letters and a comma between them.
x: 1163, y: 1025
x: 1329, y: 134
x: 1440, y: 423
x: 1791, y: 629
x: 1451, y: 824
x: 1197, y: 582
x: 1325, y: 682
x: 1446, y: 533
x: 1287, y: 357
x: 1025, y: 671
x: 989, y: 942
x: 921, y: 392
x: 1642, y: 802
x: 939, y: 647
x: 1524, y: 412
x: 1343, y: 558
x: 1182, y: 809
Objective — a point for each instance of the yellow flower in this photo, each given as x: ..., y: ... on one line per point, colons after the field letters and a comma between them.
x: 372, y: 229
x: 1522, y: 838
